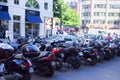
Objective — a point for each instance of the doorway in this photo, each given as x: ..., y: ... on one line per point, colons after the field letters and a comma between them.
x: 31, y: 30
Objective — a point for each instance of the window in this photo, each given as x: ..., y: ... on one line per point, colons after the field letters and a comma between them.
x: 99, y: 13
x: 16, y: 26
x: 99, y: 21
x: 3, y: 0
x: 3, y: 28
x: 16, y: 1
x: 85, y: 0
x: 100, y: 6
x: 86, y: 14
x: 110, y: 21
x: 73, y: 3
x: 46, y: 6
x: 86, y: 6
x: 114, y: 6
x: 32, y: 4
x: 31, y: 31
x: 16, y: 18
x: 113, y: 14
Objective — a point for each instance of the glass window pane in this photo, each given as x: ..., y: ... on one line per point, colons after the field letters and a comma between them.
x: 46, y: 6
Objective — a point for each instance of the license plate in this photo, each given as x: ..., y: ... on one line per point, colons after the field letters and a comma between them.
x: 80, y: 53
x: 62, y: 55
x: 31, y: 70
x: 89, y: 59
x: 53, y: 63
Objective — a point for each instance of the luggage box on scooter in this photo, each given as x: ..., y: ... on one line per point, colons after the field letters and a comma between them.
x: 6, y: 51
x: 98, y: 44
x: 30, y: 51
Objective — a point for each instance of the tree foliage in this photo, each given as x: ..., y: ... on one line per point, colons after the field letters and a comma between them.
x: 68, y: 15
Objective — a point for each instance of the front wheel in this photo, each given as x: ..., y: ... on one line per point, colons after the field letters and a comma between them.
x: 50, y: 71
x: 25, y: 76
x: 100, y: 56
x: 118, y: 52
x: 92, y: 61
x: 59, y: 64
x: 76, y: 65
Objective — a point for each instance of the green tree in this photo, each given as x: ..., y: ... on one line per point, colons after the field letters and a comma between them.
x: 57, y: 8
x: 68, y: 15
x: 3, y: 0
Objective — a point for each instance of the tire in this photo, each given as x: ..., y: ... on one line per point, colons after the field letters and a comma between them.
x: 93, y: 61
x: 26, y: 76
x: 118, y: 53
x: 101, y: 57
x: 107, y: 55
x: 59, y: 64
x: 113, y: 54
x: 50, y: 71
x: 76, y: 65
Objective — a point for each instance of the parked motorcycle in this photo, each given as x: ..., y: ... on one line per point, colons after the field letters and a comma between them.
x: 98, y: 45
x: 41, y: 43
x: 13, y: 64
x: 88, y: 55
x: 44, y: 64
x: 110, y: 50
x: 59, y: 56
x: 71, y: 56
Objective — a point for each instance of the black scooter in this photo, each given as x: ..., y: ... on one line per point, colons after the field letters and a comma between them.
x: 44, y: 64
x: 13, y: 64
x: 88, y: 55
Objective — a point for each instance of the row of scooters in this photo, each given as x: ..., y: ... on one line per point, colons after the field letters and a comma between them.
x: 19, y: 60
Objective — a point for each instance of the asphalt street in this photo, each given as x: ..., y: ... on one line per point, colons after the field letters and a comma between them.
x: 106, y: 70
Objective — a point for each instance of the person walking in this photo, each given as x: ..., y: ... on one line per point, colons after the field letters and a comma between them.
x: 114, y: 36
x: 109, y: 37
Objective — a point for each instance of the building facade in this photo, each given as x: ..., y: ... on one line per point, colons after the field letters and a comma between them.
x: 74, y: 4
x: 100, y: 13
x: 29, y: 18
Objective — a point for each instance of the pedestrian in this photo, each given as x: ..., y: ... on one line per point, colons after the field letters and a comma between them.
x: 114, y: 36
x: 100, y: 36
x: 109, y: 37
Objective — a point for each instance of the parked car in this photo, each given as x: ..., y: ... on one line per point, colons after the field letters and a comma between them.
x: 88, y: 38
x: 70, y: 40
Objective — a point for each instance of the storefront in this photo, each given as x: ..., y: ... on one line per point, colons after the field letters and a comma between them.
x: 32, y: 23
x: 24, y: 18
x: 48, y: 26
x: 4, y: 17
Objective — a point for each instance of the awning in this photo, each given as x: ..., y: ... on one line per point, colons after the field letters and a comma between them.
x: 33, y: 19
x: 4, y: 15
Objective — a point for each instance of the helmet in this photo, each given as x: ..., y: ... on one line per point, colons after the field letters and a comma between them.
x: 98, y: 44
x: 30, y: 51
x: 6, y: 51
